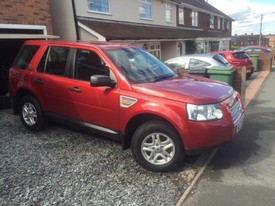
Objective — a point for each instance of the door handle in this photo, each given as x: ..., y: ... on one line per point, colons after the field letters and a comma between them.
x: 75, y: 89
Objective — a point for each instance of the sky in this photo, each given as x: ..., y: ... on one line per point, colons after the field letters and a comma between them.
x: 247, y: 15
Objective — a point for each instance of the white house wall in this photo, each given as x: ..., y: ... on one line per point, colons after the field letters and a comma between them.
x: 128, y: 10
x: 170, y: 49
x: 62, y: 18
x: 86, y: 36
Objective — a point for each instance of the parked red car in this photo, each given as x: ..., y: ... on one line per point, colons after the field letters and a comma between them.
x: 239, y: 59
x: 123, y: 92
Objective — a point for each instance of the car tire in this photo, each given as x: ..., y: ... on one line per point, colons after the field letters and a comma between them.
x: 31, y: 113
x: 156, y: 146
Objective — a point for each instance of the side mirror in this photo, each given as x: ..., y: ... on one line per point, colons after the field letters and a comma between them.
x: 102, y: 80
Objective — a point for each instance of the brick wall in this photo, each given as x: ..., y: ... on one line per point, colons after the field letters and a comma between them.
x: 265, y: 60
x: 33, y: 12
x: 239, y: 78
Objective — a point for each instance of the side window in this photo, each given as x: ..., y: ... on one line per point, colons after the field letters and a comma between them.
x: 177, y: 64
x: 197, y: 63
x: 182, y: 63
x: 54, y: 61
x: 25, y: 56
x: 88, y: 63
x: 257, y: 50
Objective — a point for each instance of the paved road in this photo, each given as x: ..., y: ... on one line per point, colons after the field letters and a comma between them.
x: 243, y: 170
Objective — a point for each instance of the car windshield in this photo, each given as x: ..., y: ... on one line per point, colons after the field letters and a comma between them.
x: 221, y: 59
x: 139, y: 66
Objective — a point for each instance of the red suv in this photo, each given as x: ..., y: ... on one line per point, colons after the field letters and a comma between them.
x: 123, y: 92
x: 239, y: 59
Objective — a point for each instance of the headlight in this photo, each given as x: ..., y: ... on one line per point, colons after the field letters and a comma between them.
x: 204, y: 112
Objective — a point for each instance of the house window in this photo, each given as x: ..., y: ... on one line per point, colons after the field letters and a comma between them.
x: 194, y: 18
x: 228, y: 25
x: 219, y: 23
x: 145, y: 7
x: 101, y: 6
x: 223, y: 23
x: 212, y: 22
x: 168, y: 12
x: 181, y: 16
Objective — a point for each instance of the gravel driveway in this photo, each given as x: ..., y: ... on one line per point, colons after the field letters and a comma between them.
x: 59, y: 166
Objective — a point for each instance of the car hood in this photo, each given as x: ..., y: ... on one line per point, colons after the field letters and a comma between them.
x: 188, y: 89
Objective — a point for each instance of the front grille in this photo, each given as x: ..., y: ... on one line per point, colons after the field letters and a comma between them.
x: 236, y: 111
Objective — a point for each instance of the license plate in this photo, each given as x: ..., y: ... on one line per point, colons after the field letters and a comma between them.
x: 239, y: 126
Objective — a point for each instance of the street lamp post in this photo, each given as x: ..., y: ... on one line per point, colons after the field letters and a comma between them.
x: 260, y: 36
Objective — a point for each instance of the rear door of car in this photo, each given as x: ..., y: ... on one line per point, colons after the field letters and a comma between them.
x: 50, y: 82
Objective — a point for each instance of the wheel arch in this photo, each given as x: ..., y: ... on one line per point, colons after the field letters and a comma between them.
x: 16, y: 99
x: 136, y: 121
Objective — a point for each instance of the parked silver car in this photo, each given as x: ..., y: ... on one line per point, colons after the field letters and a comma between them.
x: 255, y: 49
x: 197, y: 63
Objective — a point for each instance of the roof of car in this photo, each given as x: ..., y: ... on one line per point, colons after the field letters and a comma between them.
x: 99, y: 44
x: 198, y: 56
x: 227, y: 52
x: 253, y: 47
x: 204, y: 55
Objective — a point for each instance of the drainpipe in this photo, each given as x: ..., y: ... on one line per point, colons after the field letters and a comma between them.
x: 75, y: 21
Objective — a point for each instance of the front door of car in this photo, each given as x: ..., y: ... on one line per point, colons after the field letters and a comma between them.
x: 96, y: 106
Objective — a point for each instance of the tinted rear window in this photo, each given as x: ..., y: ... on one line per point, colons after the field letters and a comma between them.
x: 240, y: 55
x: 25, y: 56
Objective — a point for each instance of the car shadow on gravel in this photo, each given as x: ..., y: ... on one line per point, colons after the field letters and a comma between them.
x: 58, y: 166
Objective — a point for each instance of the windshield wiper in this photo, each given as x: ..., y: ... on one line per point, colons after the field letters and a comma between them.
x: 165, y: 77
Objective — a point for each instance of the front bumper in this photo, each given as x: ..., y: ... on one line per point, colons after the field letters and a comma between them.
x: 201, y: 135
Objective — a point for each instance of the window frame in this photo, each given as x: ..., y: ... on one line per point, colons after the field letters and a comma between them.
x: 228, y: 25
x: 181, y: 13
x: 168, y: 12
x: 212, y: 22
x: 102, y: 2
x: 147, y: 6
x: 195, y: 18
x: 219, y: 23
